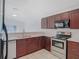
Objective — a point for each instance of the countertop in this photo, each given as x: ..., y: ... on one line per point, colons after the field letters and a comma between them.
x: 17, y: 36
x: 72, y: 39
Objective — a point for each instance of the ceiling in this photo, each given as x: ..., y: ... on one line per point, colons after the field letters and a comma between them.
x: 25, y: 9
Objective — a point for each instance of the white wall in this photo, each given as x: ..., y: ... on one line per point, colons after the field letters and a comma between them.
x: 0, y: 15
x: 75, y: 35
x: 31, y: 11
x: 11, y: 23
x: 1, y: 7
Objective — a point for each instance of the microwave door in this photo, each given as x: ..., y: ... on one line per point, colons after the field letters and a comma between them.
x: 59, y: 25
x: 67, y: 23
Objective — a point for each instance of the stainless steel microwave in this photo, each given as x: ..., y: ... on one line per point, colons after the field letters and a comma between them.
x: 62, y: 24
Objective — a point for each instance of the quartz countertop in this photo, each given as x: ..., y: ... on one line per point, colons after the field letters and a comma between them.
x: 16, y: 36
x: 72, y: 39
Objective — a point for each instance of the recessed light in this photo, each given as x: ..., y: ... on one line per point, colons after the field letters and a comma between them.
x: 14, y: 15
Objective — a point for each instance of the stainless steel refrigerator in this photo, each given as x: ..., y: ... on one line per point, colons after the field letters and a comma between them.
x: 3, y: 29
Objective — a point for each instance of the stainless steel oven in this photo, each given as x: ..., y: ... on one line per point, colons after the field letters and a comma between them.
x: 58, y: 44
x: 58, y: 48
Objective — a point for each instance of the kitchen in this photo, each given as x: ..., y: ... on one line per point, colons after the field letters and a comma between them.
x: 47, y: 29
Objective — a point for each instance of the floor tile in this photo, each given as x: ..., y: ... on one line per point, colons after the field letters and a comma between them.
x: 41, y: 54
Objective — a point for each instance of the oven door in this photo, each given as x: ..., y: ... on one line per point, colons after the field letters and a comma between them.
x: 58, y: 44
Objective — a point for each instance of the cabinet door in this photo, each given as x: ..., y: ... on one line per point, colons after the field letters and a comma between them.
x: 20, y: 48
x: 41, y: 43
x: 74, y: 20
x: 44, y: 23
x: 51, y: 22
x: 28, y: 45
x: 33, y: 44
x: 47, y: 43
x: 73, y: 49
x: 36, y: 43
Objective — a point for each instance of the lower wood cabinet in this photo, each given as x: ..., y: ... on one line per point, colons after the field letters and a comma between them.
x: 47, y: 43
x: 20, y: 47
x: 29, y: 45
x: 73, y: 50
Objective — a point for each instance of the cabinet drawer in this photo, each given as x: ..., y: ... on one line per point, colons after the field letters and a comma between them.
x: 73, y: 45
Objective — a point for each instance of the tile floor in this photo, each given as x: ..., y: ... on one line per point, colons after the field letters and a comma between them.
x: 41, y: 54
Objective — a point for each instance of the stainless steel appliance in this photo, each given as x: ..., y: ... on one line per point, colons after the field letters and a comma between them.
x: 62, y: 23
x: 4, y: 29
x: 59, y: 44
x: 58, y: 48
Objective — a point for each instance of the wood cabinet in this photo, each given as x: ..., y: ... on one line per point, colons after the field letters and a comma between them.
x: 47, y: 23
x: 73, y: 50
x: 50, y: 22
x: 74, y: 19
x: 47, y: 43
x: 29, y: 45
x: 44, y: 23
x: 20, y: 47
x: 73, y: 16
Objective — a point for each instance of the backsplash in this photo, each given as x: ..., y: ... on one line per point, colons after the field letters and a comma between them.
x: 75, y: 35
x: 52, y: 32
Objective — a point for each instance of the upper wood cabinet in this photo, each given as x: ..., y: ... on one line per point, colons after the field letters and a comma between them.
x: 74, y: 19
x: 47, y: 23
x: 73, y: 16
x: 44, y: 23
x: 50, y: 22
